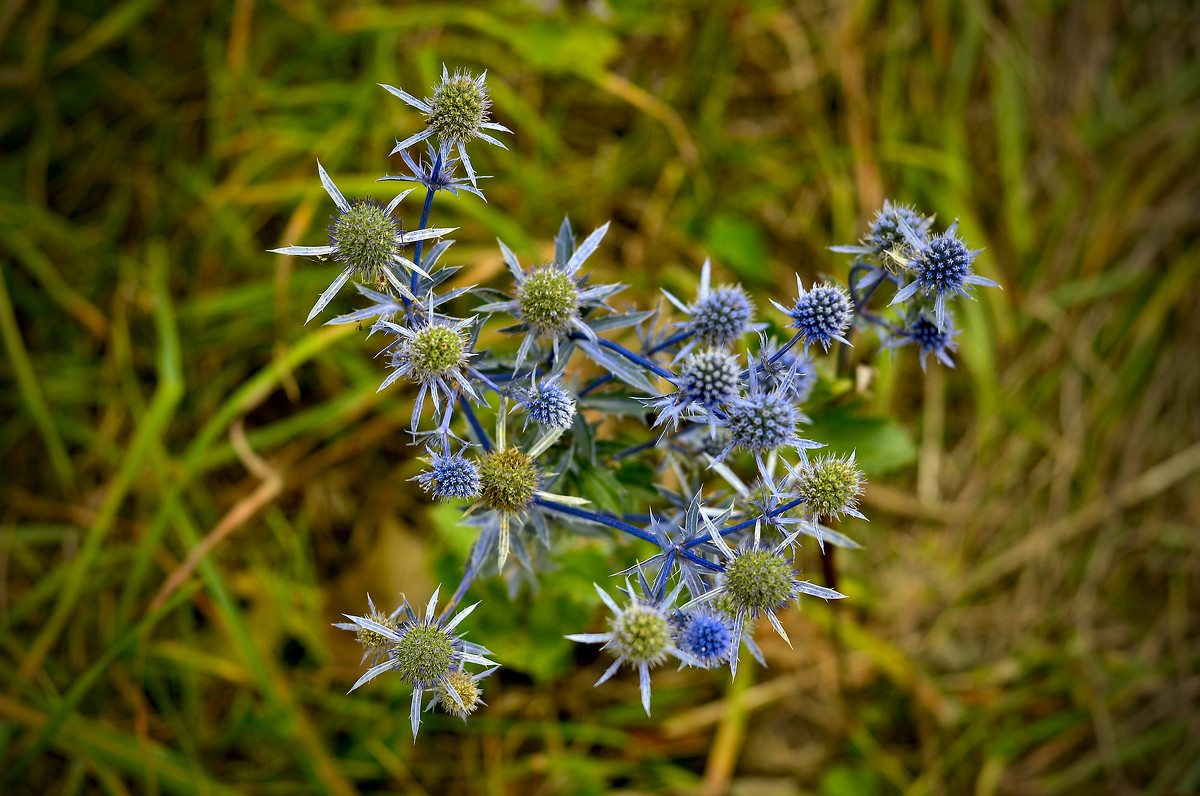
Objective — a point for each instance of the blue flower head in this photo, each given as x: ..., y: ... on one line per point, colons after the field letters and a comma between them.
x: 365, y: 239
x: 451, y: 476
x: 756, y: 579
x: 424, y: 650
x: 640, y: 634
x: 929, y: 339
x: 885, y: 241
x: 707, y: 636
x: 434, y: 352
x: 763, y: 421
x: 455, y: 113
x: 886, y: 231
x: 708, y: 380
x: 550, y: 299
x: 548, y: 404
x: 718, y: 318
x: 820, y: 315
x: 942, y: 267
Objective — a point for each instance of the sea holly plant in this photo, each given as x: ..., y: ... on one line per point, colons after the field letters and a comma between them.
x: 698, y: 395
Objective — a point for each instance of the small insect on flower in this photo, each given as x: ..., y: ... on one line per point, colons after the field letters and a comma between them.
x: 365, y: 239
x: 886, y: 236
x: 451, y: 476
x: 717, y: 318
x: 943, y: 268
x: 424, y: 650
x: 820, y: 315
x: 455, y: 113
x: 756, y: 579
x: 641, y: 634
x: 830, y: 486
x: 547, y: 403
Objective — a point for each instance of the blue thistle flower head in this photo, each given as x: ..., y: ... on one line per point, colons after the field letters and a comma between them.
x: 722, y: 316
x: 756, y: 579
x: 641, y: 634
x: 762, y: 422
x: 456, y: 113
x: 451, y: 476
x: 942, y: 267
x: 709, y: 378
x: 707, y: 636
x: 820, y: 315
x: 929, y: 339
x: 424, y: 650
x: 548, y: 404
x: 886, y: 232
x: 551, y: 300
x: 718, y: 318
x: 365, y: 239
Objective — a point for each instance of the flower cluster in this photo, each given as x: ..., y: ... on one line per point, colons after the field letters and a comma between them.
x: 524, y: 378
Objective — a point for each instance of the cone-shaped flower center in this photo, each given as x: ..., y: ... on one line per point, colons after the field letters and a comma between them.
x: 365, y: 239
x: 549, y: 300
x: 508, y: 479
x: 757, y: 580
x: 459, y: 106
x: 641, y: 634
x: 423, y: 655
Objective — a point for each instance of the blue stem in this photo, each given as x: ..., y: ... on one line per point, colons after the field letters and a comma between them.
x: 741, y: 526
x: 695, y: 559
x: 600, y: 381
x: 473, y: 420
x: 429, y: 192
x: 467, y: 578
x: 633, y: 357
x: 660, y: 583
x: 599, y: 517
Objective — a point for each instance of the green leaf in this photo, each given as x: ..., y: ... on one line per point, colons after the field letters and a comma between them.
x: 738, y: 243
x: 881, y: 445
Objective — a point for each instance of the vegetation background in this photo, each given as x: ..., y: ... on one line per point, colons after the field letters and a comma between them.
x: 195, y: 485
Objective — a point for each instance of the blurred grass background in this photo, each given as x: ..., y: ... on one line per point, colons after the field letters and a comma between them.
x: 195, y: 485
